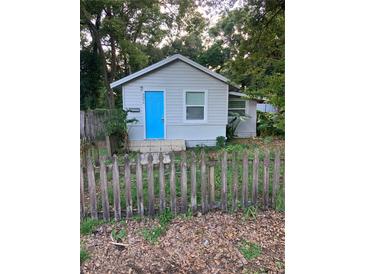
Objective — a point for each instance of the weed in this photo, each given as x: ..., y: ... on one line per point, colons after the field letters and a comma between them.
x: 152, y: 235
x: 220, y: 141
x: 84, y: 255
x: 279, y: 264
x: 165, y: 218
x: 88, y: 226
x: 250, y: 213
x: 280, y: 201
x: 120, y: 235
x: 249, y: 250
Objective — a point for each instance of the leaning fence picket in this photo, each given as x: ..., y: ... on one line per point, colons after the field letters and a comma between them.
x: 172, y: 183
x: 92, y: 188
x: 139, y: 183
x: 244, y: 198
x: 82, y: 194
x: 104, y: 189
x: 255, y: 179
x: 128, y: 192
x: 276, y: 177
x: 235, y: 182
x: 184, y: 183
x: 203, y: 183
x: 116, y: 189
x: 224, y: 182
x: 162, y: 182
x: 266, y: 179
x: 193, y: 182
x: 151, y: 195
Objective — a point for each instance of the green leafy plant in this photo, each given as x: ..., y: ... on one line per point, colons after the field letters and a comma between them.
x: 84, y: 255
x: 88, y: 225
x: 153, y: 234
x: 270, y: 124
x: 249, y: 250
x: 120, y: 235
x: 220, y: 141
x: 165, y: 218
x: 250, y: 213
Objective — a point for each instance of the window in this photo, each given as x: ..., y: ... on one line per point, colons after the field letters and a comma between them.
x: 236, y: 105
x: 195, y: 106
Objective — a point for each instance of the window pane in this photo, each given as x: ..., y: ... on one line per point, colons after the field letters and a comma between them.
x: 240, y: 112
x: 236, y: 103
x: 194, y: 113
x: 195, y: 98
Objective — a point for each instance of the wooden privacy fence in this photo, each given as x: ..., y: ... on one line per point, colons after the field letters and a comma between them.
x: 180, y: 182
x: 92, y: 124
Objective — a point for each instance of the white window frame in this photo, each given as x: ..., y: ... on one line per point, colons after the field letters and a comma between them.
x: 232, y: 109
x: 205, y: 107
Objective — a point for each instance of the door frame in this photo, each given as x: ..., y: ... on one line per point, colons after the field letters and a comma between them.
x: 144, y: 112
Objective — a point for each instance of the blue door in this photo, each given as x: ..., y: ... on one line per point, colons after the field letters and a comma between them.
x: 154, y: 108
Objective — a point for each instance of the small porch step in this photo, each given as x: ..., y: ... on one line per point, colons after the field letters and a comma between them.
x: 146, y: 146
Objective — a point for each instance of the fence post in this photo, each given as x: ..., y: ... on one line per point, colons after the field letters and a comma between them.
x: 266, y: 178
x: 151, y: 196
x: 172, y: 184
x: 235, y: 182
x: 104, y: 189
x: 116, y: 189
x: 82, y: 194
x: 276, y: 177
x: 128, y: 193
x: 193, y: 182
x: 244, y: 200
x: 92, y: 189
x: 255, y: 177
x: 162, y: 183
x: 203, y: 183
x: 107, y: 142
x: 139, y: 183
x: 184, y: 182
x: 211, y: 187
x: 224, y: 182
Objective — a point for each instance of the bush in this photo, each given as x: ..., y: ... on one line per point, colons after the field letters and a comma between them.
x: 270, y: 124
x: 221, y: 141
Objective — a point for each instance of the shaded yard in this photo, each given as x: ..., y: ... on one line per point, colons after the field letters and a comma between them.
x: 213, y: 243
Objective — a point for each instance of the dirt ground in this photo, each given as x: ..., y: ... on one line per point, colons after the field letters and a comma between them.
x: 203, y: 244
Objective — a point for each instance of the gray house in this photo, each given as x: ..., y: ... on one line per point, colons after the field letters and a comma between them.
x: 179, y: 100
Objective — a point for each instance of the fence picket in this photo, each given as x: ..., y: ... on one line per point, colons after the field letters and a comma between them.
x: 255, y: 179
x: 184, y: 186
x: 244, y: 199
x: 128, y: 192
x: 224, y: 182
x: 172, y: 184
x: 104, y: 190
x: 211, y: 187
x: 82, y: 194
x: 107, y: 143
x: 235, y: 182
x: 139, y: 183
x: 276, y: 177
x: 116, y: 189
x: 193, y: 182
x: 92, y: 188
x: 162, y: 182
x: 203, y: 182
x: 266, y: 178
x: 151, y: 195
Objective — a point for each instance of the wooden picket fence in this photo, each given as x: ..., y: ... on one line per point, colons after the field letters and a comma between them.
x: 182, y: 168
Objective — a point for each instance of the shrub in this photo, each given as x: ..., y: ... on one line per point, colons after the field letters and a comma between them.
x: 270, y: 124
x: 220, y: 141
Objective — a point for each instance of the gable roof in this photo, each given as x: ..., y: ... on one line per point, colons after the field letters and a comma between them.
x: 165, y: 62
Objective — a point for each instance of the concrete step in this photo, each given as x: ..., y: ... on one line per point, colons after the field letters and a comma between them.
x: 146, y: 146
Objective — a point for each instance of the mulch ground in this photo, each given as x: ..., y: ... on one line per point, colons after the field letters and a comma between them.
x: 203, y: 244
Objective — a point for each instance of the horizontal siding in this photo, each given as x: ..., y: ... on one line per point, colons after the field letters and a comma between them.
x: 174, y: 79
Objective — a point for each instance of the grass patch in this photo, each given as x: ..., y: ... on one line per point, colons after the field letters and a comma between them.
x: 84, y: 255
x: 153, y: 234
x: 250, y: 213
x: 249, y: 250
x: 88, y: 225
x: 120, y: 235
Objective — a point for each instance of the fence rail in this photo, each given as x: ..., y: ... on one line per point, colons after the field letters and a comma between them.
x: 182, y: 182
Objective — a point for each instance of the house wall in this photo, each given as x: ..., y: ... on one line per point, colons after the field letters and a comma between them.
x: 247, y: 128
x: 174, y: 79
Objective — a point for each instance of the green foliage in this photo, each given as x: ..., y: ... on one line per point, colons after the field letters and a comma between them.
x: 250, y: 213
x: 280, y: 201
x: 221, y: 141
x: 165, y: 218
x: 270, y: 124
x: 88, y: 226
x: 249, y: 250
x: 120, y: 235
x: 153, y: 234
x: 84, y: 255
